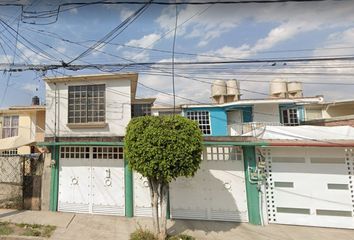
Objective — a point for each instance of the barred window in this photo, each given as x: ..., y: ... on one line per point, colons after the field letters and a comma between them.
x: 87, y: 104
x: 290, y: 117
x: 9, y: 153
x: 75, y: 152
x: 107, y: 152
x: 222, y: 153
x: 202, y: 118
x: 10, y: 126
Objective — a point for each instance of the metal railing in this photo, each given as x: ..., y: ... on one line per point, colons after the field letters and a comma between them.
x: 238, y: 129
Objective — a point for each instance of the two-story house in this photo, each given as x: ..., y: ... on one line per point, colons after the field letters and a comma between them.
x: 21, y: 128
x: 261, y: 165
x: 86, y: 120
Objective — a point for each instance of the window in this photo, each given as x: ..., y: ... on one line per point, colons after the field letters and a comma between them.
x: 9, y: 153
x: 10, y: 126
x: 290, y: 117
x: 87, y: 104
x: 143, y: 109
x: 222, y: 153
x: 107, y: 152
x: 75, y: 152
x: 202, y: 118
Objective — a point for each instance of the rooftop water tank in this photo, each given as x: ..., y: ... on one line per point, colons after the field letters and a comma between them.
x: 278, y: 88
x: 295, y: 89
x: 35, y: 100
x: 233, y: 90
x: 218, y: 88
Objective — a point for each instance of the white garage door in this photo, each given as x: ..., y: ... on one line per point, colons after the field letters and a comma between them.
x: 91, y: 180
x: 216, y: 192
x: 142, y: 200
x: 310, y: 186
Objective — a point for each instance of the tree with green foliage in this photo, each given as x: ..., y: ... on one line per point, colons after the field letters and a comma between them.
x: 162, y: 149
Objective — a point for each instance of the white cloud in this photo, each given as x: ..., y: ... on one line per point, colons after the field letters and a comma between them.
x: 146, y: 41
x: 125, y: 13
x: 206, y: 24
x: 73, y: 11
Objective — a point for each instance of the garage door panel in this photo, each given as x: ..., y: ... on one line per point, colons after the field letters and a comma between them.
x: 216, y: 192
x: 74, y: 187
x: 93, y: 182
x: 317, y: 192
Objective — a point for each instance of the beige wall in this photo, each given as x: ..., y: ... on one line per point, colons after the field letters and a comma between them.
x: 27, y: 128
x: 40, y: 126
x: 339, y: 110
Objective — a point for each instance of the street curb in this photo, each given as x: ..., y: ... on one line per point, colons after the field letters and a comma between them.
x: 18, y: 237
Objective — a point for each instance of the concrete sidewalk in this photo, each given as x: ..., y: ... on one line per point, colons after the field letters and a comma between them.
x: 85, y: 226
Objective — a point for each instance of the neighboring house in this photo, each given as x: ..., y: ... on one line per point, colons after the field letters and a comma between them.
x: 260, y: 166
x: 21, y: 128
x: 335, y: 113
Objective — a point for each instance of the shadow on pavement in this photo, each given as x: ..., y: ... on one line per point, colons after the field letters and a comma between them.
x: 10, y: 213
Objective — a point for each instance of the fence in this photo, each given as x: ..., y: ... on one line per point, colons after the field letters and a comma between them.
x: 20, y: 181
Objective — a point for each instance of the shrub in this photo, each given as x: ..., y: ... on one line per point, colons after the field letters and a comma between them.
x: 142, y: 234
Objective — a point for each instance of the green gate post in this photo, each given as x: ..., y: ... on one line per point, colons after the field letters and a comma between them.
x: 53, y: 205
x: 249, y: 155
x: 128, y: 179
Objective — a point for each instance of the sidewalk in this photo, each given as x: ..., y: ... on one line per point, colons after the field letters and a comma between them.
x: 85, y: 226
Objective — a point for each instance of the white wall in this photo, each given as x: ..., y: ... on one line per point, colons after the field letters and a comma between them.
x: 268, y: 112
x: 118, y: 109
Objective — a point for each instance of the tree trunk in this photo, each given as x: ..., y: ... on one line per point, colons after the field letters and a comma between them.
x: 154, y: 194
x: 163, y: 207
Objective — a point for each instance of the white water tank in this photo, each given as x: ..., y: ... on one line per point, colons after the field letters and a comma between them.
x: 233, y: 90
x: 218, y: 88
x: 233, y: 87
x: 218, y: 91
x: 294, y: 89
x: 278, y: 88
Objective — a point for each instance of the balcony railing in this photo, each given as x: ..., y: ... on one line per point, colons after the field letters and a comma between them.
x: 239, y: 129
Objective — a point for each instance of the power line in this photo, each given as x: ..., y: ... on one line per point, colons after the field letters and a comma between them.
x: 113, y: 33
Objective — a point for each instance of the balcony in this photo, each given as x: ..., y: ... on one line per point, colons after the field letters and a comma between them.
x: 250, y: 128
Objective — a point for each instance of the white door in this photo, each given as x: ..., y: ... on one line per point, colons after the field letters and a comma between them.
x: 142, y: 200
x: 310, y: 186
x: 216, y: 192
x: 74, y: 180
x: 91, y: 180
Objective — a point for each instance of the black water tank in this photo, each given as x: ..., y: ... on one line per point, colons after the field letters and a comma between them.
x: 35, y: 100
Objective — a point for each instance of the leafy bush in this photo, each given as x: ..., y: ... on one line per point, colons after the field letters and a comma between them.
x: 142, y: 234
x: 181, y: 237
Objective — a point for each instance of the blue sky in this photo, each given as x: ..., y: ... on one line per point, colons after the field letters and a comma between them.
x: 217, y: 32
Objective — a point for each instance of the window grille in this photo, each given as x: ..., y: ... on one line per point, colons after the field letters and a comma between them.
x: 9, y: 153
x: 222, y: 153
x: 107, y: 152
x: 202, y: 118
x: 87, y: 104
x: 75, y: 152
x: 290, y: 117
